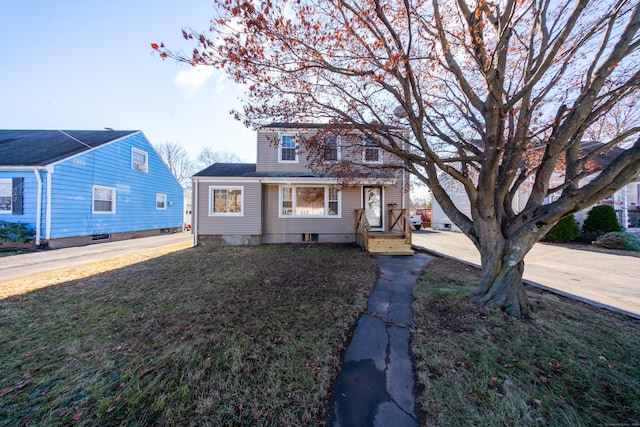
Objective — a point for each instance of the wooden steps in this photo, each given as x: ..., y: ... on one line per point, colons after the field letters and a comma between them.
x: 389, y: 244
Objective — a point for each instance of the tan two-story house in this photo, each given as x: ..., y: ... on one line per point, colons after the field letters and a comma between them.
x: 289, y: 196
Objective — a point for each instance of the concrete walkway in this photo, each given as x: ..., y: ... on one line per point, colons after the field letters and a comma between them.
x: 375, y: 384
x: 606, y: 280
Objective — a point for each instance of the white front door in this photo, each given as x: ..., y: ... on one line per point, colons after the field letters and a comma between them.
x: 372, y: 201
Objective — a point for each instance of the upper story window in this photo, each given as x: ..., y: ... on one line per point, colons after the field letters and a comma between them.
x: 371, y: 152
x: 226, y: 201
x: 6, y: 195
x: 332, y: 149
x: 104, y: 199
x: 139, y: 160
x: 161, y: 201
x: 287, y: 151
x: 306, y: 200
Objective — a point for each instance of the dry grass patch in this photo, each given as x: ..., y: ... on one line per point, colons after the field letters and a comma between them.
x: 218, y: 336
x: 573, y: 364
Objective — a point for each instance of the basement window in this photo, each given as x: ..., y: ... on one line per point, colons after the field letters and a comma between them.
x: 100, y: 236
x: 310, y: 237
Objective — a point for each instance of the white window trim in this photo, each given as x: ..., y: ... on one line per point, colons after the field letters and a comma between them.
x: 293, y: 202
x: 164, y: 196
x: 10, y: 182
x: 113, y: 201
x: 366, y: 146
x: 294, y: 139
x: 134, y: 166
x: 338, y: 150
x: 225, y: 187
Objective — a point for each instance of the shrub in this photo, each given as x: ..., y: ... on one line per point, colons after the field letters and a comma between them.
x: 619, y: 240
x: 15, y: 232
x: 564, y: 231
x: 600, y: 220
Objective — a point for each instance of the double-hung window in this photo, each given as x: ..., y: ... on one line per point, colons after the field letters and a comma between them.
x: 332, y: 149
x: 161, y: 201
x: 287, y: 151
x: 139, y: 160
x: 104, y: 200
x: 371, y: 152
x: 308, y: 200
x: 6, y: 195
x: 226, y: 201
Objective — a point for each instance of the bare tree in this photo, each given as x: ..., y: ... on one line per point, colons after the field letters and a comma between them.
x: 493, y: 95
x: 209, y: 156
x: 177, y: 160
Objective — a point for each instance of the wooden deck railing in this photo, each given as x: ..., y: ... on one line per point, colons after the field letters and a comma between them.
x: 400, y: 222
x: 362, y: 229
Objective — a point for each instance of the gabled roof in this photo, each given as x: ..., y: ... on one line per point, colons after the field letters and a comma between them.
x: 43, y: 147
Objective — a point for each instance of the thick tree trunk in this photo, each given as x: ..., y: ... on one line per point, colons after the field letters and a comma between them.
x: 501, y: 286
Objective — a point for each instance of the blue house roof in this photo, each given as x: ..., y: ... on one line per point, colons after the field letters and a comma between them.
x: 42, y: 147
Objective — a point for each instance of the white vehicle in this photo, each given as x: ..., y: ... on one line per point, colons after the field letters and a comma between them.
x: 416, y: 221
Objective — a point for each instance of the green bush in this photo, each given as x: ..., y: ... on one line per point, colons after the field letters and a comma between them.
x: 564, y: 231
x: 600, y: 220
x: 15, y: 232
x: 619, y: 240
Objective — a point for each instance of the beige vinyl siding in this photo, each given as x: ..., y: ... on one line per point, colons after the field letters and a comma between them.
x: 273, y: 224
x: 249, y: 223
x: 268, y: 141
x: 268, y: 154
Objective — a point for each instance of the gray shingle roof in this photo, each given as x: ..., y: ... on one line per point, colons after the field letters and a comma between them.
x: 42, y: 147
x: 228, y: 169
x: 248, y: 170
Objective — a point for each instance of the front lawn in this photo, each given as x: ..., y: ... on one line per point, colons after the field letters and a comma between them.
x: 572, y: 365
x: 202, y: 336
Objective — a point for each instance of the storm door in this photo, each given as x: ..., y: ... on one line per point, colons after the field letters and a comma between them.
x: 373, y: 206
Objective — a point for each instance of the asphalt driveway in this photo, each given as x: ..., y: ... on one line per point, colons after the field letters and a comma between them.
x: 27, y: 264
x: 604, y: 279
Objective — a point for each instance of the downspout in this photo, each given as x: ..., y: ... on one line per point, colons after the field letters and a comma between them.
x: 195, y: 211
x: 47, y: 234
x: 38, y: 206
x: 404, y: 188
x: 404, y: 177
x: 625, y: 208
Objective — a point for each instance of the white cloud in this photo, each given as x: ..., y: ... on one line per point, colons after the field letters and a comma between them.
x: 193, y: 77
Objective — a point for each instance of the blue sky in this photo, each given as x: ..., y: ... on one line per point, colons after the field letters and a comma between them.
x: 87, y: 64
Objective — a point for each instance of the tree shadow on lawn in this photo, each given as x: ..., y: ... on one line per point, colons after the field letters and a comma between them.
x: 248, y: 335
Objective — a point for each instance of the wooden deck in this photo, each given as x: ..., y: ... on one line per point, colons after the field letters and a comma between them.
x: 397, y: 241
x: 389, y: 244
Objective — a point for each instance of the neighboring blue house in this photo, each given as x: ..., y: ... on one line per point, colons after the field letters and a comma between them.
x: 75, y: 187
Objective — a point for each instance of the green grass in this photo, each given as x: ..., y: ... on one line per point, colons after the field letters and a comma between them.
x: 203, y: 336
x: 572, y: 365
